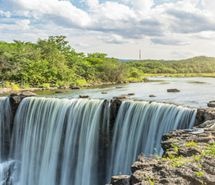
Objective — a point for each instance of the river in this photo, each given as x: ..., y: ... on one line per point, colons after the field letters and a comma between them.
x: 194, y: 91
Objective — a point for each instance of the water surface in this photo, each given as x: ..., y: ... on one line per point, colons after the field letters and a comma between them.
x: 194, y: 92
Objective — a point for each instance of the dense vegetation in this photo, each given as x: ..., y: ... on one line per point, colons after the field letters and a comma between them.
x: 53, y: 62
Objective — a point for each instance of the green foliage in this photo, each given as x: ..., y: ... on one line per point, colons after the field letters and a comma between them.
x: 189, y: 67
x: 200, y: 174
x: 179, y: 161
x: 151, y: 181
x: 210, y: 150
x: 191, y: 144
x: 53, y: 63
x: 175, y: 147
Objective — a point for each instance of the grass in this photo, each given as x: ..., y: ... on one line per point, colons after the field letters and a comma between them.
x: 191, y: 144
x: 200, y: 174
x: 210, y: 150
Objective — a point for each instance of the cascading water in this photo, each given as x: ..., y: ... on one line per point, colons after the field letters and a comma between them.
x: 5, y: 136
x: 139, y: 128
x: 5, y: 127
x: 57, y: 141
x: 64, y: 142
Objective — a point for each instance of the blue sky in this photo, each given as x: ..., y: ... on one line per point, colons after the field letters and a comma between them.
x: 167, y: 29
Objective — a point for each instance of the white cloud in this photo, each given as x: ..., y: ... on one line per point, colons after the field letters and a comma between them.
x: 23, y: 24
x: 6, y: 14
x: 177, y: 23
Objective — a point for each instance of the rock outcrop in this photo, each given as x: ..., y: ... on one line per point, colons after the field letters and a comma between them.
x: 211, y: 103
x: 189, y: 158
x: 173, y: 90
x: 204, y: 115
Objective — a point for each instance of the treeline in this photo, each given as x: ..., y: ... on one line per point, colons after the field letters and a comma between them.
x: 197, y: 65
x: 53, y: 62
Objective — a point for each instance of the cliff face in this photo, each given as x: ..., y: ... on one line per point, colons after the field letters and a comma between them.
x: 189, y: 155
x: 189, y: 158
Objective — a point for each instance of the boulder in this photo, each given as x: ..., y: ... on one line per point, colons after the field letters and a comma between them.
x: 84, y: 96
x: 173, y: 90
x: 120, y: 180
x: 211, y: 103
x: 204, y: 115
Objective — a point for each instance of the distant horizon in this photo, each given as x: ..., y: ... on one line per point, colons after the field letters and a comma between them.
x: 124, y: 59
x: 167, y: 29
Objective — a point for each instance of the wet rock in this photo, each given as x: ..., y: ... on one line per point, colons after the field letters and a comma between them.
x: 16, y: 98
x: 173, y: 90
x: 204, y: 115
x: 114, y: 108
x: 74, y: 87
x: 211, y: 103
x: 104, y: 92
x: 27, y: 94
x: 121, y: 97
x: 84, y: 96
x: 131, y: 94
x: 152, y: 96
x: 120, y: 180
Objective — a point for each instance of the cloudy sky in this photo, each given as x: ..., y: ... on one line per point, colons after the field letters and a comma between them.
x: 168, y: 29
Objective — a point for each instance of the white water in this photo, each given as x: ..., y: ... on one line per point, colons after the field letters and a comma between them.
x: 5, y: 120
x: 69, y: 142
x: 139, y: 128
x: 5, y: 135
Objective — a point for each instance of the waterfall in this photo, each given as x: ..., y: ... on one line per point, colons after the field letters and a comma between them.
x: 73, y: 142
x: 5, y: 127
x: 139, y: 128
x: 5, y: 136
x: 56, y: 141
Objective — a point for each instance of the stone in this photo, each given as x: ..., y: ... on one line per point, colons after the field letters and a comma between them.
x: 131, y: 94
x: 120, y: 97
x: 74, y: 87
x: 84, y: 96
x: 211, y: 104
x: 173, y: 90
x: 204, y: 115
x: 27, y: 94
x: 120, y: 180
x: 152, y: 96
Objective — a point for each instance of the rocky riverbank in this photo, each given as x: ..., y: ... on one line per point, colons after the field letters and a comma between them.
x: 189, y: 158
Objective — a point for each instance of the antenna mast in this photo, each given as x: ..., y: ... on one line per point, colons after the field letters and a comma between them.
x: 140, y: 54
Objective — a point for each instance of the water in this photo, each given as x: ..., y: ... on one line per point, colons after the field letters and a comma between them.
x: 139, y: 128
x: 63, y: 142
x: 5, y: 135
x: 194, y: 91
x: 5, y: 127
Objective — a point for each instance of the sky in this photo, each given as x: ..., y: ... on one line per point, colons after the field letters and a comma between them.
x: 161, y: 29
